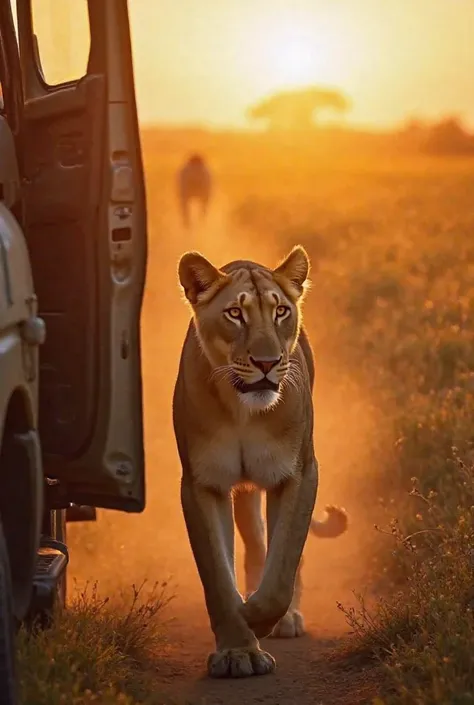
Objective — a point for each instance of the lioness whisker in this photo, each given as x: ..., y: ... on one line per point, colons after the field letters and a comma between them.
x: 219, y: 370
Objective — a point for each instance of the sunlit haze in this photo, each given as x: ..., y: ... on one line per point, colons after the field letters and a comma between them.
x: 385, y: 214
x: 205, y: 62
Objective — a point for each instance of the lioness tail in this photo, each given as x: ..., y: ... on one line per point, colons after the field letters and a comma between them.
x: 334, y: 523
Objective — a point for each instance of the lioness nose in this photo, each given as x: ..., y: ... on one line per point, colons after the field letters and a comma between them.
x: 264, y: 364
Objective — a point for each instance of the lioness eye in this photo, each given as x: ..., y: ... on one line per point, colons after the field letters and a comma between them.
x: 281, y: 311
x: 234, y: 312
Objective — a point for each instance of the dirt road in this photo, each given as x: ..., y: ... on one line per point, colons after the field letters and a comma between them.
x: 307, y: 673
x: 121, y: 549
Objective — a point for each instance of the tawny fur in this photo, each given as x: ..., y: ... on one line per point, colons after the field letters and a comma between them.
x: 243, y: 421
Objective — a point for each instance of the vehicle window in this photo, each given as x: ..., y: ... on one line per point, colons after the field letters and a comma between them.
x: 63, y: 35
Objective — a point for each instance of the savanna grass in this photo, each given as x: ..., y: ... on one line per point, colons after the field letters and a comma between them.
x: 96, y: 651
x: 395, y: 270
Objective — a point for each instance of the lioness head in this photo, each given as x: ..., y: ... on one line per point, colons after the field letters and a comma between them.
x: 247, y: 318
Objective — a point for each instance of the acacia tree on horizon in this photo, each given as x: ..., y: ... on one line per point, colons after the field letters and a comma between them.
x: 297, y: 109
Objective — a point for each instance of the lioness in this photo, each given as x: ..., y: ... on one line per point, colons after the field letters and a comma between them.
x: 194, y: 184
x: 243, y: 421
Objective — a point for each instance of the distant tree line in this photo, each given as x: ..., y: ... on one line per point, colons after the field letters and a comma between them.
x: 447, y: 137
x: 299, y: 111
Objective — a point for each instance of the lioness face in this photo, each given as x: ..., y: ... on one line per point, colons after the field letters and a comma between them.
x: 248, y: 318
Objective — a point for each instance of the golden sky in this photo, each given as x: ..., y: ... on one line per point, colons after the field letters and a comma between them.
x: 205, y: 61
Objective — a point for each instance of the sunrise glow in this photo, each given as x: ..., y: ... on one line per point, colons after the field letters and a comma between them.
x: 207, y: 62
x: 291, y: 50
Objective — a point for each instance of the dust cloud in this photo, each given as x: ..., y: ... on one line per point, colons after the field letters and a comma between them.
x: 123, y: 549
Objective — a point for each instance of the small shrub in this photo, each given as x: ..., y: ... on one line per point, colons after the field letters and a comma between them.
x: 94, y: 651
x: 424, y: 633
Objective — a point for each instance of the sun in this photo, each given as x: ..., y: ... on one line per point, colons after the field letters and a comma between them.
x: 293, y: 50
x: 295, y: 62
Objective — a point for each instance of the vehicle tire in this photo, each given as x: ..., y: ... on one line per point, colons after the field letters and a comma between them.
x: 8, y: 691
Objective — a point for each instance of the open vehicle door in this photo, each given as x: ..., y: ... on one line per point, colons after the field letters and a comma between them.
x: 85, y: 222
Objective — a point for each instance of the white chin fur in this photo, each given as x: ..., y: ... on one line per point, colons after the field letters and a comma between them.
x: 262, y: 400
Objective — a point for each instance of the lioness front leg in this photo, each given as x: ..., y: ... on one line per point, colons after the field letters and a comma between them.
x: 292, y: 623
x: 289, y: 510
x: 249, y: 521
x: 209, y: 521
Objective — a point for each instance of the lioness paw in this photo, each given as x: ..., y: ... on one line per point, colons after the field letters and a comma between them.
x: 240, y: 663
x: 289, y: 626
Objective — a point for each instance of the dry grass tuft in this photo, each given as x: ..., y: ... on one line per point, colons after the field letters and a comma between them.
x: 96, y: 651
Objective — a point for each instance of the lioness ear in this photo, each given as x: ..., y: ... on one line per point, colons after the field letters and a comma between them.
x: 196, y: 275
x: 295, y: 268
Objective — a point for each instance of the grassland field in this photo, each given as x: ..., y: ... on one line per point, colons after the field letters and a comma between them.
x: 391, y: 317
